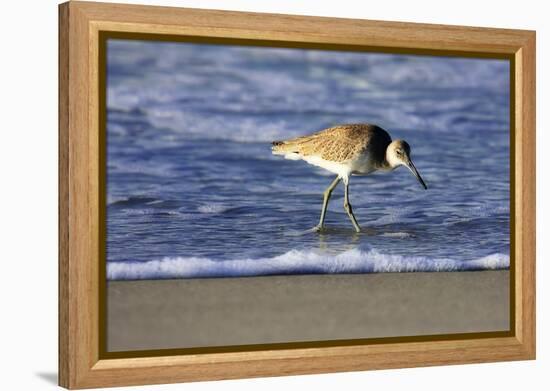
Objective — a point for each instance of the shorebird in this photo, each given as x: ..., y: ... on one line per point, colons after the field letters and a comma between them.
x: 346, y: 150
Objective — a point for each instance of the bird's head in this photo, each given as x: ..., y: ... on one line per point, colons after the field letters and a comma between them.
x: 398, y: 154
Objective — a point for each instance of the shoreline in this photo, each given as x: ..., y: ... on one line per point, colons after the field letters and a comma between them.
x: 164, y: 314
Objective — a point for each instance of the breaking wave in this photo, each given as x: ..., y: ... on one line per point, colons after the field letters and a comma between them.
x: 297, y: 262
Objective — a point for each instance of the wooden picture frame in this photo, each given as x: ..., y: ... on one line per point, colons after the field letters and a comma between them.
x: 83, y: 364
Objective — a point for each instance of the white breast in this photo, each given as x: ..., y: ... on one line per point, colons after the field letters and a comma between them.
x: 342, y: 169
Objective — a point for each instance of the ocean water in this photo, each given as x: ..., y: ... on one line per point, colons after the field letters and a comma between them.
x: 194, y: 191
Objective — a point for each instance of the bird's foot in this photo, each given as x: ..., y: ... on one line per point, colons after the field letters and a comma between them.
x: 318, y: 229
x: 322, y: 229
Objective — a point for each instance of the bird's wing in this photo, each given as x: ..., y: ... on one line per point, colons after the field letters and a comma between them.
x: 338, y: 144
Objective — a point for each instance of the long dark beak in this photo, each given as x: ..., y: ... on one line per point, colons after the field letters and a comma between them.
x: 413, y: 169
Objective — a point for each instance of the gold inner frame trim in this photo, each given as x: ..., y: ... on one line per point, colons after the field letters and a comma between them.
x: 104, y: 36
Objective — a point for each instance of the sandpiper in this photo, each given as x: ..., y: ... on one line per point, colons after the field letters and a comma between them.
x: 354, y: 149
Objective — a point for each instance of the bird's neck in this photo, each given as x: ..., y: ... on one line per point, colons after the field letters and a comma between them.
x: 385, y: 165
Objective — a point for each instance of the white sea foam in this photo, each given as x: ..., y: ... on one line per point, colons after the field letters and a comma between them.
x: 399, y: 235
x: 297, y: 262
x: 111, y: 200
x: 213, y: 208
x: 265, y: 85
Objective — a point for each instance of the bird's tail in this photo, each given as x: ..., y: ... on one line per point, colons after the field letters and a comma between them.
x: 278, y: 148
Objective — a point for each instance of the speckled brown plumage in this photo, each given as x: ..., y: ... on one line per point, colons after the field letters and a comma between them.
x: 340, y: 143
x: 347, y: 150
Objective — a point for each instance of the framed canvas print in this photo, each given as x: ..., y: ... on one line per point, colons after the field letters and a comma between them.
x: 248, y: 195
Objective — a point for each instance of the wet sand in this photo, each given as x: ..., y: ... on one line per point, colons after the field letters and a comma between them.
x: 183, y: 313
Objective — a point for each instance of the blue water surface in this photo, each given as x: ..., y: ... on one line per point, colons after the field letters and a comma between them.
x: 194, y: 191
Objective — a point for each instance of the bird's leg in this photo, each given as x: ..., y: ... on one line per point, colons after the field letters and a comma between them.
x: 347, y: 207
x: 326, y: 198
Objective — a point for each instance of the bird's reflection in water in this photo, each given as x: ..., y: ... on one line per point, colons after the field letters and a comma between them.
x: 353, y: 238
